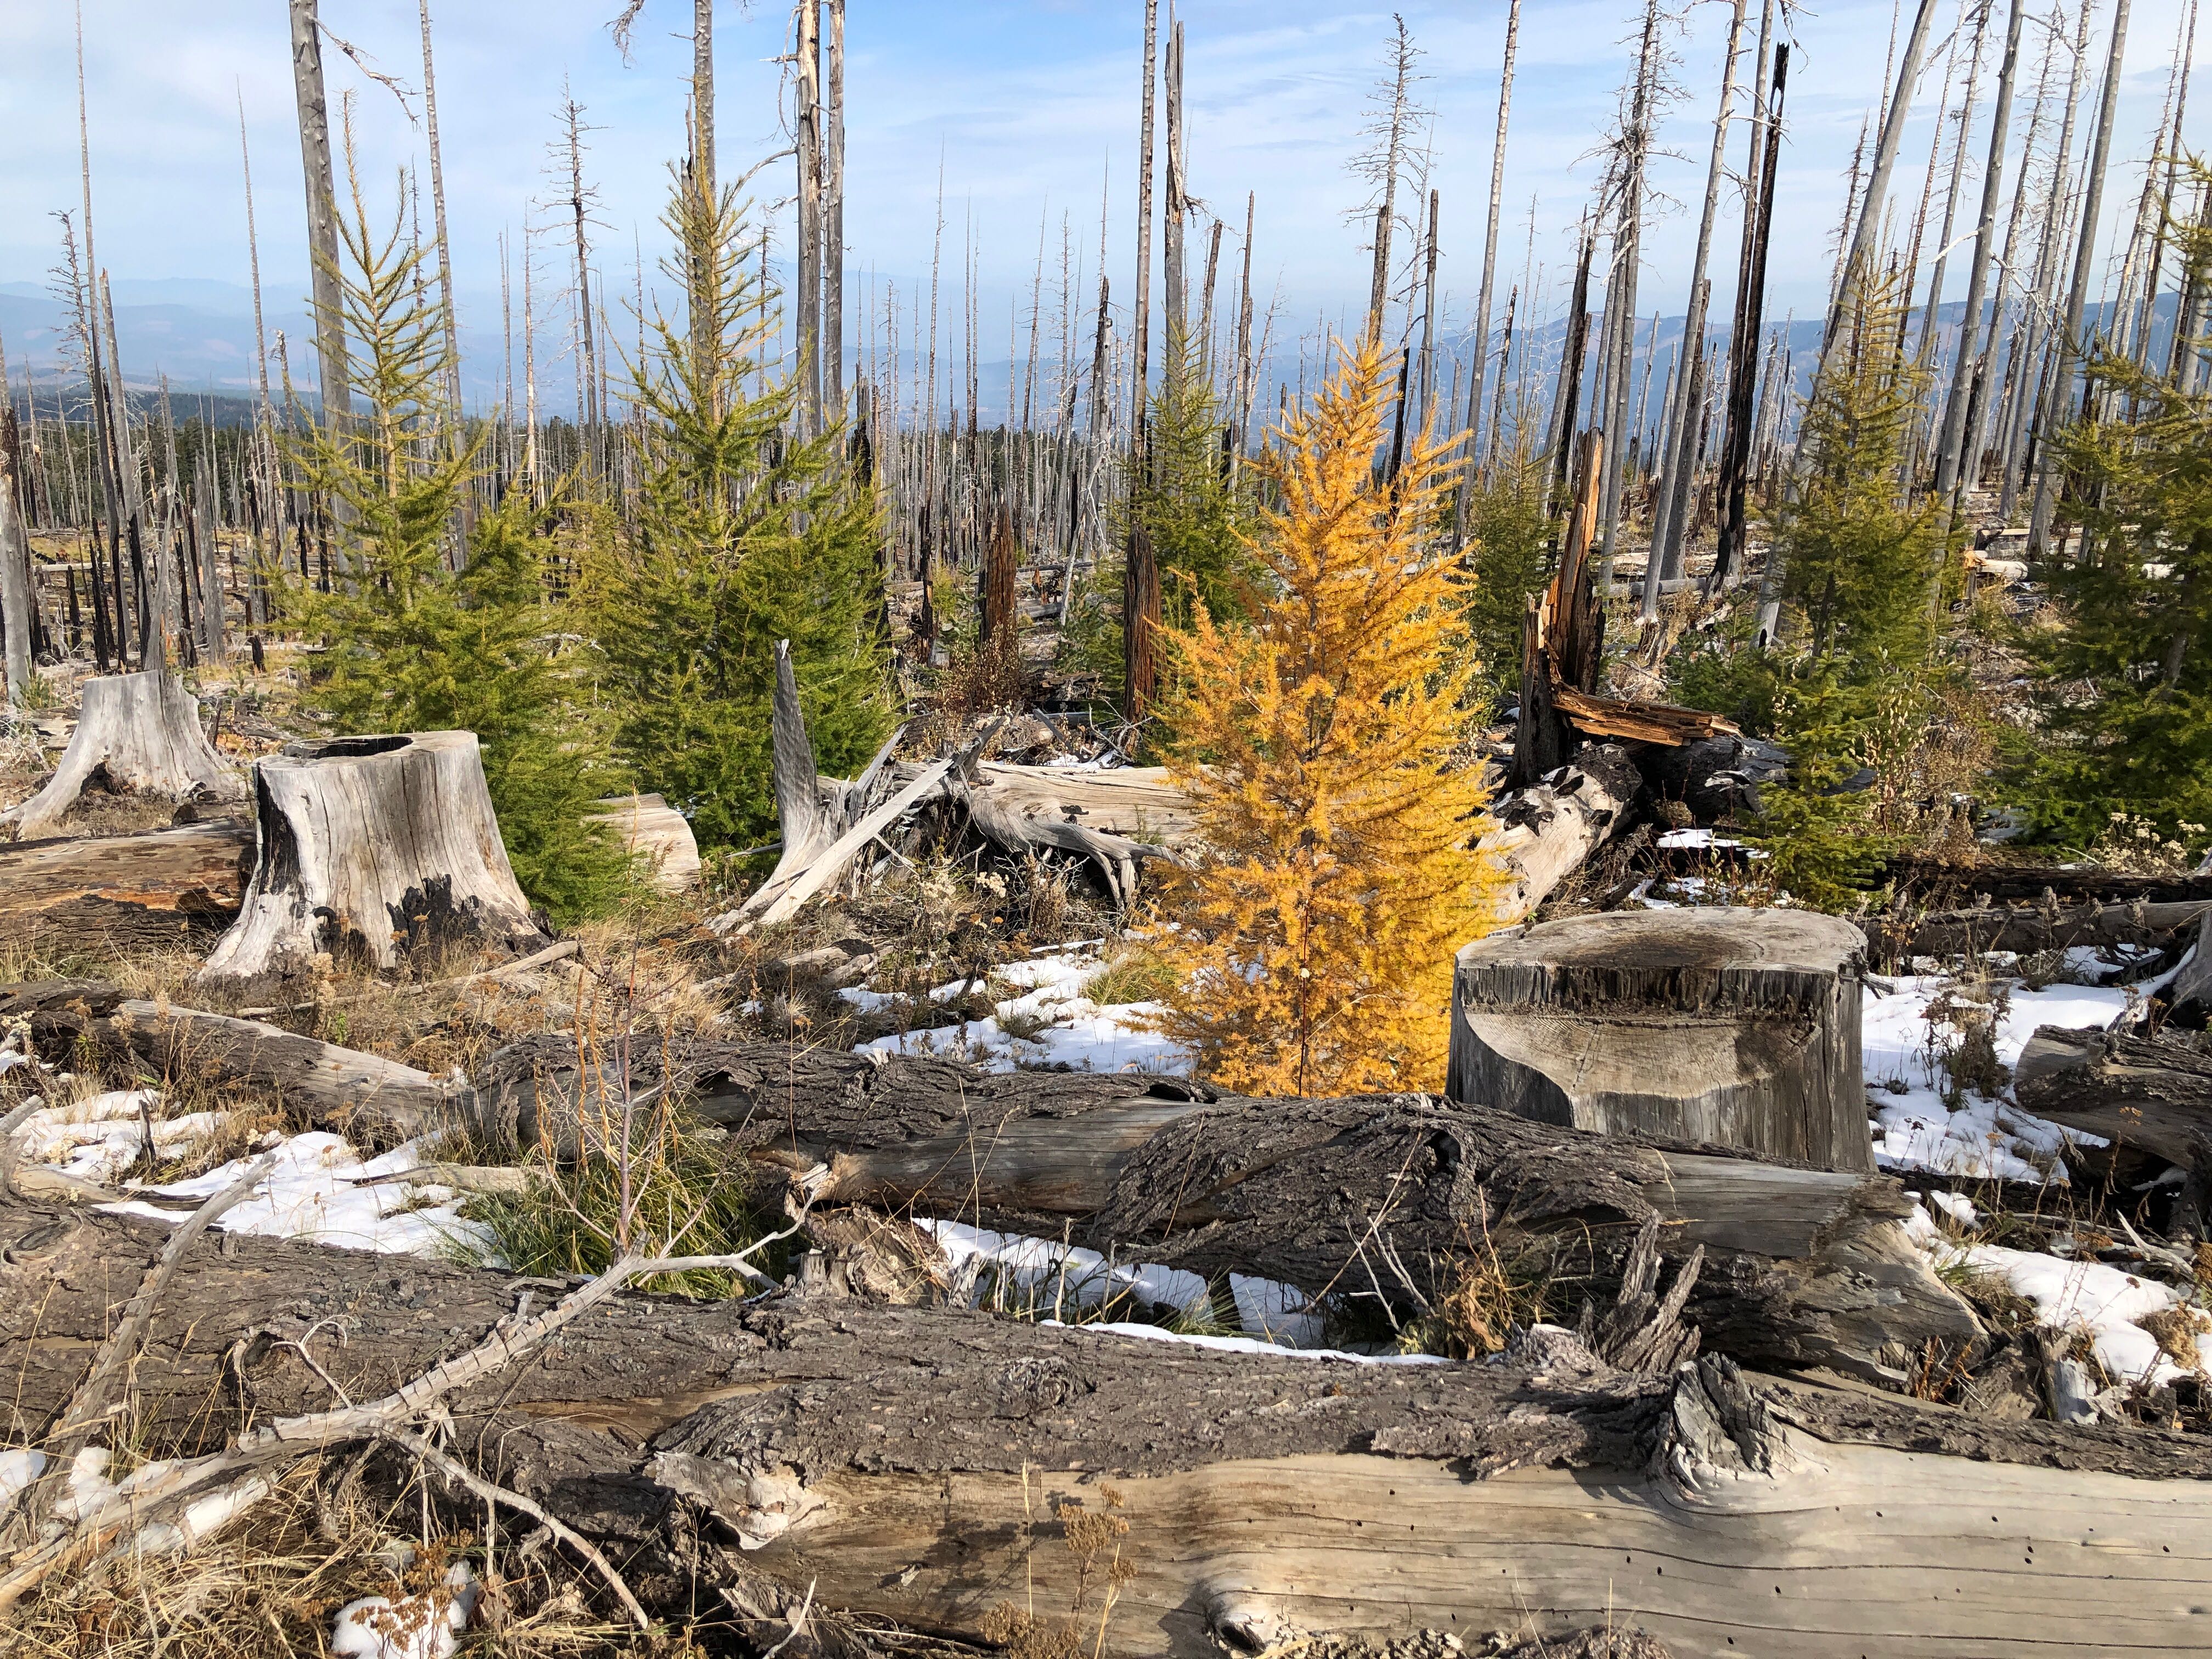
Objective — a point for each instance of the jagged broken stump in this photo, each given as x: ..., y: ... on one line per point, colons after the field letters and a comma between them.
x: 1735, y: 1028
x: 380, y: 850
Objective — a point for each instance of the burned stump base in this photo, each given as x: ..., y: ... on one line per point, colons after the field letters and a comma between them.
x: 383, y: 851
x: 136, y: 733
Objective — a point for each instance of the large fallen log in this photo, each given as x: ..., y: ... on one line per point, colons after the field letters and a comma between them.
x: 382, y: 851
x: 156, y: 887
x: 948, y: 1471
x: 1735, y: 1026
x: 1373, y: 1199
x: 1380, y: 1201
x: 137, y: 733
x: 2147, y: 1092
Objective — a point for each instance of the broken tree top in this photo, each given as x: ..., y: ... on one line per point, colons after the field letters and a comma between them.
x: 1738, y: 1028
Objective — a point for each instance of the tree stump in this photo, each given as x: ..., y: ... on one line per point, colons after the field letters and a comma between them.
x: 656, y: 832
x: 379, y: 851
x: 137, y: 732
x: 1735, y: 1028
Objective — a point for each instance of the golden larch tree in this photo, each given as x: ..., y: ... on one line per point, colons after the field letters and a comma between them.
x: 1314, y: 934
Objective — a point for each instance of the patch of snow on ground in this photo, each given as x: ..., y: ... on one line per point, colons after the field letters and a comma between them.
x: 1045, y: 1270
x: 1053, y: 1269
x: 427, y: 1626
x: 98, y: 1138
x: 1075, y: 1032
x: 18, y: 1466
x: 1252, y: 1345
x: 2091, y: 1297
x: 314, y: 1192
x: 1985, y: 1140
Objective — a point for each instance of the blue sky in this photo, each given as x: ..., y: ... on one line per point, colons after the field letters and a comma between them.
x: 1023, y: 104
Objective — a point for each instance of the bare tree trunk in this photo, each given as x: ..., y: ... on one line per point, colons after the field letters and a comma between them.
x: 2027, y: 397
x: 1474, y: 410
x: 1401, y: 72
x: 437, y: 218
x: 1175, y: 313
x: 322, y: 211
x: 1426, y: 393
x: 1968, y: 363
x: 1241, y: 407
x: 1743, y: 409
x: 2070, y: 342
x: 15, y: 597
x: 833, y: 232
x: 588, y: 417
x: 1674, y: 482
x: 807, y: 88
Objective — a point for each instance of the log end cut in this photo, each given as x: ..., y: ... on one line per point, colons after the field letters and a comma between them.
x: 1735, y: 1028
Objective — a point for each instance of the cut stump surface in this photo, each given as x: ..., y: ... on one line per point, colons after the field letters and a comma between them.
x: 1738, y: 1028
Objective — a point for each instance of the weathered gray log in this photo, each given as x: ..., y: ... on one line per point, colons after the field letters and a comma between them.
x: 2152, y: 1093
x: 658, y: 834
x: 156, y: 887
x: 1805, y: 1266
x: 913, y: 1465
x: 375, y: 1100
x: 1738, y: 1028
x: 1547, y: 831
x: 136, y: 733
x: 2027, y: 928
x: 381, y: 852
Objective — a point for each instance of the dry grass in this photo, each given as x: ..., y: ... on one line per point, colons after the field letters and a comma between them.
x: 270, y: 1586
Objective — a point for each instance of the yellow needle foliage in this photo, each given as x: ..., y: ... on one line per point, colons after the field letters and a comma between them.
x: 1315, y: 937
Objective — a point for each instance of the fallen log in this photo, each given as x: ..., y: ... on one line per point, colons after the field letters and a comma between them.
x: 947, y: 1470
x: 2027, y: 929
x: 382, y: 851
x: 1548, y: 830
x: 2152, y: 1093
x: 137, y: 733
x: 2028, y: 883
x: 375, y: 1101
x: 1734, y: 1027
x: 156, y: 887
x: 1380, y: 1200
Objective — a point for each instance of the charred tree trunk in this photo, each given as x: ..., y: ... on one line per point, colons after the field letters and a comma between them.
x: 380, y: 850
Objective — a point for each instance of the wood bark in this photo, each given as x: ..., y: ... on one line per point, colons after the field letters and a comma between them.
x: 1738, y: 1028
x: 807, y: 146
x: 1480, y: 370
x: 158, y: 887
x: 1373, y: 1199
x: 914, y: 1464
x: 2137, y: 1092
x: 378, y: 850
x: 1549, y: 830
x: 137, y: 733
x: 2029, y: 929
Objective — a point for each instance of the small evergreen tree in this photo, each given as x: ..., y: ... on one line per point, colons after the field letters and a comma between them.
x: 1199, y: 522
x: 746, y: 535
x: 1314, y: 943
x: 2126, y: 674
x: 1509, y: 545
x: 1857, y: 560
x: 416, y: 645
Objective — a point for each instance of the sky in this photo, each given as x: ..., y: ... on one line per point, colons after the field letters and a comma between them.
x: 1024, y: 110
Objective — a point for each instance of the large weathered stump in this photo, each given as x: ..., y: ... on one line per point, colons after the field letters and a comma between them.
x: 381, y: 851
x: 137, y: 732
x: 1738, y: 1028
